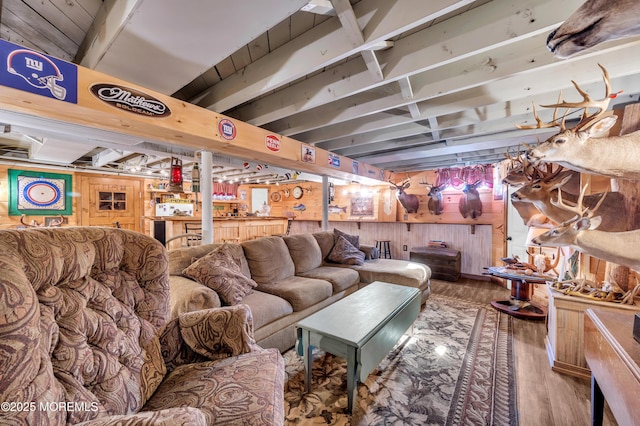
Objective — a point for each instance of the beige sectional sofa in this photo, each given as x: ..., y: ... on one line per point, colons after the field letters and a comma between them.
x: 293, y: 278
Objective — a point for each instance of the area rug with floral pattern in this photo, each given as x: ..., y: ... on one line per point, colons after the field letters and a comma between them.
x: 454, y: 367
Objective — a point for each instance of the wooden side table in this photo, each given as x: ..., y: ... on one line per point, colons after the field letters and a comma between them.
x: 520, y: 304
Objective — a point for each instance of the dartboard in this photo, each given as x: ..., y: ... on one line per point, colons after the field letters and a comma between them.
x: 41, y: 193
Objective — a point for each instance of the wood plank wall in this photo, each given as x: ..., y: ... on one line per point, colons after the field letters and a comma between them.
x: 475, y: 247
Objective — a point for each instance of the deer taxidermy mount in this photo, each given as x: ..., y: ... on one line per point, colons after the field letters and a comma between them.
x: 542, y: 193
x: 581, y: 233
x: 470, y: 204
x: 410, y: 202
x: 436, y: 201
x: 594, y: 22
x: 582, y: 148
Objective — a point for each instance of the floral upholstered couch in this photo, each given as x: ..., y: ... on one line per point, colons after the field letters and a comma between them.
x: 85, y: 338
x: 282, y: 279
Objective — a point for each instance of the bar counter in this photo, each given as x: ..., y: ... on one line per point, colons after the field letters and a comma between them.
x: 225, y: 228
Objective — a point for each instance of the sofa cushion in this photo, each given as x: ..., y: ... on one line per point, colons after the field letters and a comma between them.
x: 244, y: 390
x: 340, y: 278
x: 300, y: 292
x: 326, y: 241
x: 266, y: 307
x: 180, y: 259
x: 219, y: 271
x: 304, y: 251
x: 188, y: 295
x: 353, y: 239
x: 269, y: 259
x: 232, y: 328
x: 346, y: 253
x: 394, y: 271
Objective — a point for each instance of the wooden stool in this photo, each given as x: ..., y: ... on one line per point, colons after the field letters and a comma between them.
x: 384, y: 248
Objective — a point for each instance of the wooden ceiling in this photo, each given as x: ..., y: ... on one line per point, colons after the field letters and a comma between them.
x: 403, y: 85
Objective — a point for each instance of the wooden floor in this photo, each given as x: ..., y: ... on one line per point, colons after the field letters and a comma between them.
x: 544, y: 396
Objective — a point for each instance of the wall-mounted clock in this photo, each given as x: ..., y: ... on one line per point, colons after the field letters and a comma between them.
x: 297, y: 192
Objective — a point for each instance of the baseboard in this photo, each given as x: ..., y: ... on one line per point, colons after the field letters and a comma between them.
x: 563, y: 367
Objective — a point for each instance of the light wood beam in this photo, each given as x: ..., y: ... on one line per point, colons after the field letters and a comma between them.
x: 541, y: 87
x: 497, y: 23
x: 324, y: 45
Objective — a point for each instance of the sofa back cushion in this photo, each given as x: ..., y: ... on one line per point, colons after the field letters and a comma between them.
x: 326, y: 241
x: 180, y: 259
x: 269, y: 259
x: 82, y: 309
x: 304, y: 251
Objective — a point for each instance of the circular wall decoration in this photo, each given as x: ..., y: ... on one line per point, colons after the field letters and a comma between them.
x: 41, y: 193
x: 297, y: 192
x: 276, y: 197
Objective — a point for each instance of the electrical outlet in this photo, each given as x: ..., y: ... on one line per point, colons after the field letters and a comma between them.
x: 404, y: 247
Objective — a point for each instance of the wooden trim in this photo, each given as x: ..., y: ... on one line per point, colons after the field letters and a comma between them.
x: 187, y: 125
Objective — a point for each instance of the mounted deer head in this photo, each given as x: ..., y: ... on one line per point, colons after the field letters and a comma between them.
x: 519, y: 169
x: 594, y: 22
x: 436, y: 202
x: 582, y: 234
x: 410, y: 202
x: 542, y: 192
x: 581, y: 148
x: 470, y: 204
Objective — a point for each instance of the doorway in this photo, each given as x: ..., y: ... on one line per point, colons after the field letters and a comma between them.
x: 110, y: 202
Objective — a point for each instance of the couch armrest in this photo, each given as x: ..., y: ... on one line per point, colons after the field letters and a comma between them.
x: 168, y: 417
x: 188, y: 295
x: 209, y: 334
x: 370, y: 252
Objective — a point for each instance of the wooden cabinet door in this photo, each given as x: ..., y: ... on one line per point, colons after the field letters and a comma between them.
x: 106, y: 201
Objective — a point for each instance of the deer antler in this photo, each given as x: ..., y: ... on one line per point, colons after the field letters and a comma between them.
x: 541, y: 124
x: 587, y: 102
x: 580, y: 210
x: 550, y: 174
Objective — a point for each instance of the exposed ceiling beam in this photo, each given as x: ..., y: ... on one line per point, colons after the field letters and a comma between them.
x: 323, y: 45
x: 107, y: 156
x: 494, y: 24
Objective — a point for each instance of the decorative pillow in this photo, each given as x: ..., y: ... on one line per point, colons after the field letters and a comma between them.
x: 353, y: 239
x: 344, y: 252
x: 219, y: 271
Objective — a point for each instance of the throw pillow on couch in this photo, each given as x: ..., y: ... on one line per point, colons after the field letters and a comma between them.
x: 346, y: 253
x: 219, y: 271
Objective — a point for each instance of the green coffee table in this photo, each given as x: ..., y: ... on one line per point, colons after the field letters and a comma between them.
x: 363, y: 327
